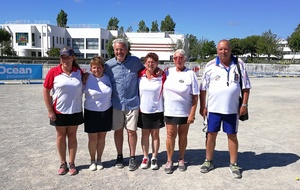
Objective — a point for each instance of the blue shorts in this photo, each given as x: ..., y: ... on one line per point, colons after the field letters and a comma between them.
x: 229, y: 123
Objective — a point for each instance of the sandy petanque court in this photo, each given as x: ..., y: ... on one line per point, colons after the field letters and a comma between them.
x: 268, y: 152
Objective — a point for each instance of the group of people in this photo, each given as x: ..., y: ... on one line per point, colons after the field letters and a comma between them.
x: 125, y: 94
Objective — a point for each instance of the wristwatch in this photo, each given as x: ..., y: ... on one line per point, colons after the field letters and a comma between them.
x: 245, y: 105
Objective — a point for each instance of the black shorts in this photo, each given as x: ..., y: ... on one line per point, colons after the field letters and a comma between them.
x: 151, y: 121
x: 68, y: 119
x: 176, y: 120
x: 95, y: 122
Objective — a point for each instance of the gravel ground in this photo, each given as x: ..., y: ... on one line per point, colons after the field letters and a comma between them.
x: 268, y: 152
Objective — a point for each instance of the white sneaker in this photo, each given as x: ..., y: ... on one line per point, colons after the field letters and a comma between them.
x: 145, y: 163
x: 154, y: 164
x: 99, y: 165
x: 93, y: 166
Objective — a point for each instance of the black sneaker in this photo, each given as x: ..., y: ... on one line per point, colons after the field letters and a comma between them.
x: 119, y: 162
x: 132, y: 164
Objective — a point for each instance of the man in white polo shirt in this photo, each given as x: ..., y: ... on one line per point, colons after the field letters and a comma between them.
x: 219, y: 103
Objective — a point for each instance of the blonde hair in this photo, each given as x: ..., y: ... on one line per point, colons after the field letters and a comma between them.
x: 97, y: 60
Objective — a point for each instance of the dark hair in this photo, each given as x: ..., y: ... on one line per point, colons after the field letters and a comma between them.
x: 154, y: 56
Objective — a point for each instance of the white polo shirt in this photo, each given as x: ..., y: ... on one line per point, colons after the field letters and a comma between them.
x: 223, y: 86
x: 97, y: 93
x: 150, y: 90
x: 67, y: 90
x: 178, y: 90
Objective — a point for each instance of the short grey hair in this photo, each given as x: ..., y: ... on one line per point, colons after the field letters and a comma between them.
x: 180, y: 51
x: 120, y: 41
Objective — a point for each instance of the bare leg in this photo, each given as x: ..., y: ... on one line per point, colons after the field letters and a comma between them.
x: 92, y: 145
x: 100, y: 145
x: 155, y: 142
x: 170, y: 142
x: 132, y: 140
x: 233, y: 147
x: 182, y: 141
x: 210, y: 145
x: 145, y: 141
x: 118, y: 137
x: 61, y: 145
x: 72, y: 142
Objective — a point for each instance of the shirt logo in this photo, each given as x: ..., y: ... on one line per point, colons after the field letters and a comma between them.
x: 217, y: 78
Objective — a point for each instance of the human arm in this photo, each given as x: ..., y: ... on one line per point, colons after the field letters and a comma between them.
x: 84, y: 77
x: 48, y: 103
x: 203, y: 109
x: 191, y: 117
x: 244, y: 107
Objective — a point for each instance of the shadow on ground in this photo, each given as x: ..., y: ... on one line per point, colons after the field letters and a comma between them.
x: 247, y: 160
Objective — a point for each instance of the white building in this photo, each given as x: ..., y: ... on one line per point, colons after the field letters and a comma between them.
x: 35, y: 39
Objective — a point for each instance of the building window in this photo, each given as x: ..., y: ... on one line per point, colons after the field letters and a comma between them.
x: 59, y: 40
x: 63, y: 40
x: 33, y: 39
x: 33, y: 54
x: 78, y: 43
x: 92, y: 43
x: 53, y: 41
x: 79, y: 55
x: 91, y: 55
x: 102, y: 44
x: 68, y: 42
x: 56, y: 40
x: 22, y: 39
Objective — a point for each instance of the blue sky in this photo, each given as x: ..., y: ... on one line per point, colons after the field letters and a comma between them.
x: 208, y: 19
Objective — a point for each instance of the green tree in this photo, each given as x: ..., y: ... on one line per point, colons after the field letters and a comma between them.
x: 167, y: 25
x: 129, y: 29
x: 54, y: 52
x: 298, y: 28
x: 236, y: 48
x: 268, y: 44
x: 249, y: 45
x: 121, y: 31
x: 4, y: 40
x: 193, y: 46
x: 294, y: 41
x: 142, y: 27
x: 62, y: 19
x: 113, y: 24
x: 154, y: 26
x: 206, y: 48
x: 110, y: 49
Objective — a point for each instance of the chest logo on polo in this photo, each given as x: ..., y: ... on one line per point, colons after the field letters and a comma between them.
x: 217, y: 78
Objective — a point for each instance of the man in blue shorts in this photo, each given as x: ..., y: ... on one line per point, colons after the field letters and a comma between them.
x: 220, y: 105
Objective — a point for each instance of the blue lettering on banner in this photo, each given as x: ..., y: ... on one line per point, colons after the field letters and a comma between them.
x: 20, y: 71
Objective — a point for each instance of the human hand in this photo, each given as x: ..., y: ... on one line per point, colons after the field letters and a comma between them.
x: 158, y: 71
x: 203, y: 112
x: 84, y: 77
x: 51, y: 115
x: 191, y: 119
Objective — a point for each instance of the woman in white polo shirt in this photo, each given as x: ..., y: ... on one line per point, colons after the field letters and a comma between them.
x: 151, y: 117
x: 180, y: 102
x: 97, y: 110
x: 63, y: 98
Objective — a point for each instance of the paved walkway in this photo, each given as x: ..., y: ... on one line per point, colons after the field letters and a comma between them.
x: 268, y: 153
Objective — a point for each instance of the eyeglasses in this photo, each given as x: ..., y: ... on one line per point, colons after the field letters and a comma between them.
x: 179, y: 57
